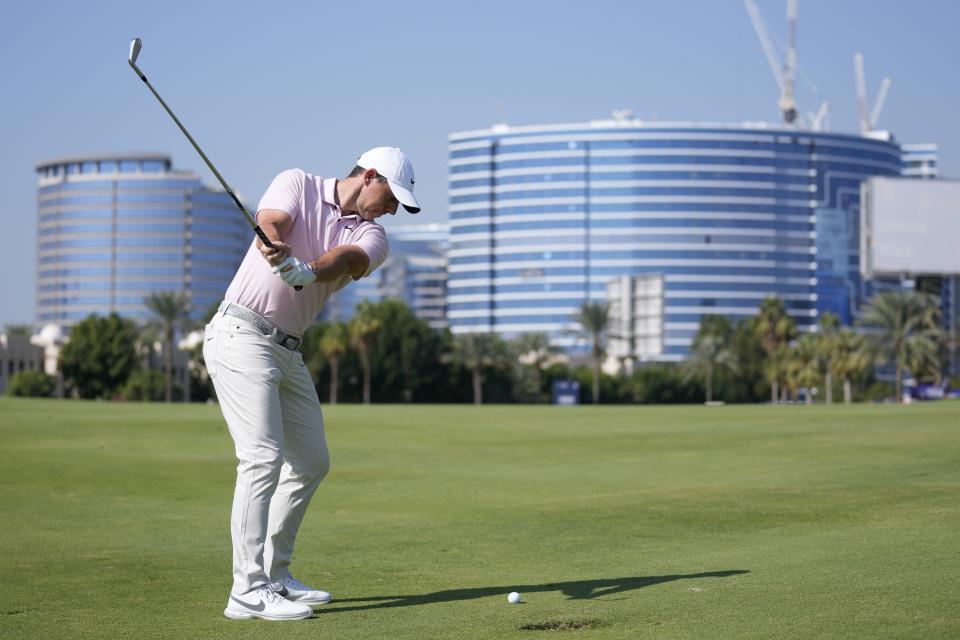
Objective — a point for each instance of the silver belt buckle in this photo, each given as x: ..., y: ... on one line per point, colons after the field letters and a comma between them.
x: 284, y: 340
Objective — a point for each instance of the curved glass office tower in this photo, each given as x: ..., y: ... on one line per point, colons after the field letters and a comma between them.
x: 542, y: 218
x: 113, y: 229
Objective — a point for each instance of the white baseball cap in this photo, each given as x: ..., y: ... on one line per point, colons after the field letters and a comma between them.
x: 393, y: 164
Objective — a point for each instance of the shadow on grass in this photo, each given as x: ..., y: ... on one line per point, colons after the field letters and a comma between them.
x: 574, y: 590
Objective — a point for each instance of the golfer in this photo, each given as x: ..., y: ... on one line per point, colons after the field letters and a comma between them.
x: 324, y: 234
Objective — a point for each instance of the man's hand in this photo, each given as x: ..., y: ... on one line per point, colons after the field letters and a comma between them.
x: 295, y: 272
x: 276, y: 254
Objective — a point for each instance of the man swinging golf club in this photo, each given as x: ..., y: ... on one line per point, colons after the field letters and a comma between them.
x: 323, y: 233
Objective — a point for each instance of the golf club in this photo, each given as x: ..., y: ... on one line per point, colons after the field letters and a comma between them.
x: 135, y: 46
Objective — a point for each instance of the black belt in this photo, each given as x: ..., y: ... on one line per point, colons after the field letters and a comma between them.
x: 269, y: 329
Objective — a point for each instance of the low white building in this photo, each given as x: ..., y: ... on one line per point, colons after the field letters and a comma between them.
x: 17, y: 355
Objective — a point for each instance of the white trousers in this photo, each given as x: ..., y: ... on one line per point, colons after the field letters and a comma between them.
x: 273, y: 414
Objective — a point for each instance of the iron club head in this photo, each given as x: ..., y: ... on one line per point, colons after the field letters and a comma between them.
x: 135, y: 45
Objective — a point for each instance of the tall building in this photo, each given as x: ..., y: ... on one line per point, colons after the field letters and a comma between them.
x: 113, y: 229
x: 543, y: 217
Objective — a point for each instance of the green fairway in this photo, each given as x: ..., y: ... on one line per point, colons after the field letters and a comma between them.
x: 630, y: 522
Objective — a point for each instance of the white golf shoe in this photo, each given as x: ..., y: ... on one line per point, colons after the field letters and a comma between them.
x: 292, y: 589
x: 263, y: 602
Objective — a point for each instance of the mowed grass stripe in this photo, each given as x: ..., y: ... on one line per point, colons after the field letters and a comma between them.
x: 622, y: 522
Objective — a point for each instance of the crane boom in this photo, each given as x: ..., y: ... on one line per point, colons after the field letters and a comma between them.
x: 761, y: 28
x: 861, y: 92
x: 788, y: 103
x: 878, y: 105
x: 817, y: 120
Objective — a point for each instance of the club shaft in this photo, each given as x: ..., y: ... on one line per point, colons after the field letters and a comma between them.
x: 253, y: 223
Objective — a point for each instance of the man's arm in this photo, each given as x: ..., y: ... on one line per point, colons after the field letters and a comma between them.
x: 344, y: 260
x: 275, y: 224
x: 334, y: 264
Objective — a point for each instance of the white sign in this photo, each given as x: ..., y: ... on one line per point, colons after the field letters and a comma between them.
x: 910, y: 227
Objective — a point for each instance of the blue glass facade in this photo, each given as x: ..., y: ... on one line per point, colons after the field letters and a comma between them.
x: 542, y: 217
x: 112, y: 230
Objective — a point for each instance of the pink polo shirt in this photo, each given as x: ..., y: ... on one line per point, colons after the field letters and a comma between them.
x: 318, y: 226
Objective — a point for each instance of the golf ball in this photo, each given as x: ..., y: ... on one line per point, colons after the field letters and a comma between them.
x: 513, y: 598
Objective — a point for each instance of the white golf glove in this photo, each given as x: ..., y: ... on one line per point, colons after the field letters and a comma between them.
x: 298, y: 274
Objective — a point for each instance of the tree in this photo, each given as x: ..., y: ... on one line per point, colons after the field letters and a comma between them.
x: 477, y: 352
x: 594, y: 321
x: 848, y: 358
x: 403, y: 360
x: 776, y: 370
x: 903, y: 328
x: 748, y: 383
x: 710, y: 351
x: 333, y: 346
x: 363, y: 329
x: 534, y: 351
x: 172, y: 311
x: 405, y: 356
x: 775, y: 329
x: 664, y: 384
x: 828, y: 332
x: 99, y: 356
x: 804, y: 366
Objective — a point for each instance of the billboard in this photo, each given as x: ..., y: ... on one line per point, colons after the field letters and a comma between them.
x: 909, y: 227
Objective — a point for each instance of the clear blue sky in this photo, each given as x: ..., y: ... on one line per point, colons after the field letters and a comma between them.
x: 268, y: 86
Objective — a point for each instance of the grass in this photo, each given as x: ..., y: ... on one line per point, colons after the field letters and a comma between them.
x: 612, y: 522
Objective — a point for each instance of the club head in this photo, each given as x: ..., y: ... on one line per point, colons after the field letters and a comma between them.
x: 135, y: 45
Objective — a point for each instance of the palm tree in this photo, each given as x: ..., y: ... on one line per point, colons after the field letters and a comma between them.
x: 804, y: 366
x: 709, y: 352
x: 775, y: 329
x: 476, y: 352
x: 594, y: 321
x: 848, y: 358
x: 363, y: 329
x: 172, y: 310
x: 535, y: 350
x: 776, y: 369
x: 333, y: 345
x: 905, y: 330
x: 829, y: 329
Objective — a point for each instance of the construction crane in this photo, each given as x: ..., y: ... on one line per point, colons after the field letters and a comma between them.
x: 788, y: 104
x: 785, y: 74
x: 868, y: 119
x: 818, y: 120
x: 878, y: 105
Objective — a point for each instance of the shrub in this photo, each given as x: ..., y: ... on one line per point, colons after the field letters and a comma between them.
x: 147, y: 385
x: 33, y: 384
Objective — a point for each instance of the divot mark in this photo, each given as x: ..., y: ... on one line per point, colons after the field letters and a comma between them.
x: 561, y: 625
